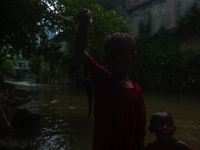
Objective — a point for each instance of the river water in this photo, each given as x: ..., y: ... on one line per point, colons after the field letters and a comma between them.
x: 64, y: 111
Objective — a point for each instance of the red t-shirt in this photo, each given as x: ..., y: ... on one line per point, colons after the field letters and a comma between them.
x: 119, y: 112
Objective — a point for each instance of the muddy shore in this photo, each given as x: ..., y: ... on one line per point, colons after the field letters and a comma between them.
x: 11, y: 117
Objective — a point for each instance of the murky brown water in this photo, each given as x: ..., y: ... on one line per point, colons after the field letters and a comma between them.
x: 64, y: 111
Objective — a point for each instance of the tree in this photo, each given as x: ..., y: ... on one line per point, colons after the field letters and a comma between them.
x: 104, y: 23
x: 22, y: 22
x: 7, y: 68
x: 161, y: 63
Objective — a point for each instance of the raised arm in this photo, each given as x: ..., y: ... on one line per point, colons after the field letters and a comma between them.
x: 85, y: 19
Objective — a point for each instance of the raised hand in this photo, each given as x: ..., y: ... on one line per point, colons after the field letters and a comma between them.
x: 85, y: 17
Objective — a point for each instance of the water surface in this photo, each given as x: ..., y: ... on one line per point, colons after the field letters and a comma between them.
x: 64, y: 111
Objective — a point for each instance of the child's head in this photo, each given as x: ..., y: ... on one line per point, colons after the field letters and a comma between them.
x: 118, y: 38
x: 162, y: 125
x: 119, y: 51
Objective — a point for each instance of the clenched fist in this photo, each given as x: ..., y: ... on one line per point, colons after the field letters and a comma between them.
x: 85, y: 17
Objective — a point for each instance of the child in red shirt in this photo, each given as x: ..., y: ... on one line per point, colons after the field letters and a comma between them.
x: 119, y: 109
x: 162, y: 125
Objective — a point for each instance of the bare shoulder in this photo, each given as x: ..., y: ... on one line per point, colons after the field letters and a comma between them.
x: 151, y: 145
x: 180, y: 145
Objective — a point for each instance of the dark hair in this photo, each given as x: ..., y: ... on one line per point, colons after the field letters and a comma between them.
x: 159, y: 113
x: 114, y: 38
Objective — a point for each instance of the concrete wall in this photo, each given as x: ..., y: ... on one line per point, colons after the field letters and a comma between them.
x: 163, y: 12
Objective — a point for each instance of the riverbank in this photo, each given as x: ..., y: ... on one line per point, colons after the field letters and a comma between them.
x: 20, y: 79
x: 11, y: 116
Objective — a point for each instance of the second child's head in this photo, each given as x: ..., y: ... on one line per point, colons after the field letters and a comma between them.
x: 119, y: 51
x: 162, y: 125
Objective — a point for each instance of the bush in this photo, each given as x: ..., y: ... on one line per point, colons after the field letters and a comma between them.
x: 7, y: 68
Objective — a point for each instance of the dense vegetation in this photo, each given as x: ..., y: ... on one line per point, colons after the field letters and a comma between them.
x: 161, y: 63
x: 22, y: 22
x: 31, y: 20
x: 7, y: 68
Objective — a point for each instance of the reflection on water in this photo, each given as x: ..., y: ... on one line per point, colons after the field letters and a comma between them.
x: 185, y: 111
x: 64, y: 111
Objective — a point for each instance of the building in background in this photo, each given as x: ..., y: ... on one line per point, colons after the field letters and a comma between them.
x: 20, y: 64
x: 163, y: 13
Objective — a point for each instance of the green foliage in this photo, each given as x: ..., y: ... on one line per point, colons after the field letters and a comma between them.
x: 160, y: 63
x: 112, y: 4
x: 190, y: 21
x: 26, y: 20
x: 7, y: 68
x: 104, y: 23
x: 145, y: 27
x: 23, y: 21
x: 49, y: 49
x: 31, y: 76
x: 34, y: 65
